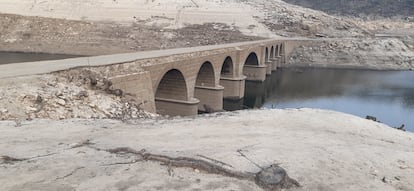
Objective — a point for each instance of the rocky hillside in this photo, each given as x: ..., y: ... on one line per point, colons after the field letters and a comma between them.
x: 361, y: 8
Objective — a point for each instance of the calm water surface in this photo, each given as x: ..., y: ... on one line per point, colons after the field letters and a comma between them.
x: 387, y: 95
x: 14, y: 57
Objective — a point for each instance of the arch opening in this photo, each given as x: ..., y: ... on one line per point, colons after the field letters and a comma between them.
x: 205, y: 76
x: 281, y: 52
x: 267, y: 54
x: 272, y: 52
x: 252, y: 59
x: 227, y: 67
x: 277, y: 50
x: 172, y: 86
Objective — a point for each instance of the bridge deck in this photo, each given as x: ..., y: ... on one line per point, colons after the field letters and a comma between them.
x: 43, y: 67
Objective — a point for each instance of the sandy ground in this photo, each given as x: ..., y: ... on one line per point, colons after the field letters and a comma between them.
x: 50, y: 35
x: 168, y: 13
x: 323, y: 150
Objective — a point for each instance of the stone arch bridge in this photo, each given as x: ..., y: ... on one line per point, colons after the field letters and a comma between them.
x: 186, y: 80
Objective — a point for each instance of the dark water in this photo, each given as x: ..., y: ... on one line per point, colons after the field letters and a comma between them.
x: 14, y: 57
x: 387, y: 95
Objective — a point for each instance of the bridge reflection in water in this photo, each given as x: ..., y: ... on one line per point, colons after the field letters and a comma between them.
x: 255, y: 94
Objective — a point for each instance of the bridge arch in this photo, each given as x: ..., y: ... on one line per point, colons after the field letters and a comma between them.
x: 227, y: 67
x: 252, y: 59
x: 253, y: 70
x: 206, y: 90
x: 205, y: 76
x: 172, y: 86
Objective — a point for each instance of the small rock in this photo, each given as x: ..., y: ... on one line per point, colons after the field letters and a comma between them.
x: 61, y: 102
x: 397, y: 178
x: 374, y: 173
x: 106, y: 84
x: 11, y: 40
x: 402, y: 127
x: 53, y: 83
x: 118, y: 92
x: 320, y: 35
x: 371, y: 118
x: 31, y: 108
x: 403, y: 166
x: 93, y: 81
x: 274, y: 178
x: 39, y: 99
x: 83, y: 94
x: 58, y: 94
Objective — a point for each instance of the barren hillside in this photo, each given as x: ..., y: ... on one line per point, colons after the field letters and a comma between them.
x: 358, y: 8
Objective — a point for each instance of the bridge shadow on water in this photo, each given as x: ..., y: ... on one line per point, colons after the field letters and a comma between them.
x: 387, y: 95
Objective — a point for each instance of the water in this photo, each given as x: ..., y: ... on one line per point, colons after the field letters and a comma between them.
x: 387, y: 95
x: 14, y: 57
